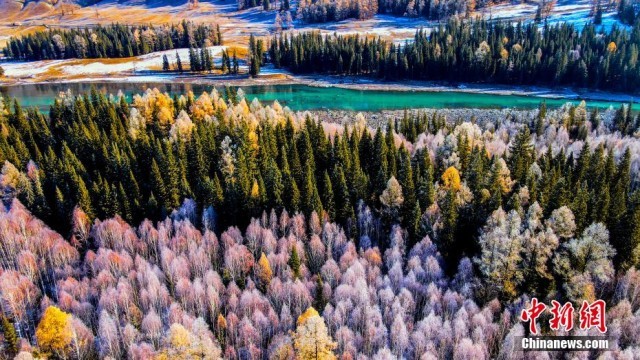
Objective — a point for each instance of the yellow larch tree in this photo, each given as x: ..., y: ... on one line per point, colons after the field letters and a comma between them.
x: 54, y: 332
x: 264, y: 272
x: 311, y: 339
x: 451, y: 178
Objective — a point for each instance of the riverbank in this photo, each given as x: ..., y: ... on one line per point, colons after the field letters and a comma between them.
x: 358, y: 83
x: 280, y: 77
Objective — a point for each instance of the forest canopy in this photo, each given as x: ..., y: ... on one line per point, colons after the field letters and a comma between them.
x: 476, y: 51
x: 111, y: 41
x: 214, y: 226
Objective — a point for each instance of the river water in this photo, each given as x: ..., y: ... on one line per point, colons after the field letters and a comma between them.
x: 304, y: 97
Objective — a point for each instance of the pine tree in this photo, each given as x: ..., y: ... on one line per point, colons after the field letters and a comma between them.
x: 179, y: 63
x: 294, y: 263
x: 344, y: 209
x: 327, y: 196
x: 172, y: 179
x: 194, y: 60
x: 10, y: 336
x: 579, y: 207
x: 408, y: 192
x: 165, y: 63
x: 620, y: 222
x: 628, y: 252
x: 207, y: 60
x: 311, y: 197
x: 597, y: 19
x: 255, y: 55
x: 413, y: 224
x: 83, y: 198
x: 521, y: 155
x: 236, y: 66
x: 274, y: 184
x: 225, y: 60
x: 538, y: 17
x: 157, y: 183
x: 447, y: 234
x: 319, y: 300
x: 254, y: 66
x: 292, y: 193
x: 425, y: 187
x: 61, y: 210
x: 218, y: 35
x: 380, y: 164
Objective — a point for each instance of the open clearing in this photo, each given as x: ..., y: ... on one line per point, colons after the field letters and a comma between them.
x: 47, y: 70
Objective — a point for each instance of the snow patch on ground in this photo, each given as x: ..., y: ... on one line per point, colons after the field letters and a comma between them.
x: 510, y: 12
x: 95, y: 67
x: 397, y: 28
x: 145, y: 62
x: 580, y: 17
x: 28, y: 68
x: 577, y: 13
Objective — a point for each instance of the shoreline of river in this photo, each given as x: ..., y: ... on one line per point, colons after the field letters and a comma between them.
x: 356, y: 83
x: 352, y: 83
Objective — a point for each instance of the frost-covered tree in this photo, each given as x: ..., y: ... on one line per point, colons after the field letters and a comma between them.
x: 500, y: 259
x: 586, y: 263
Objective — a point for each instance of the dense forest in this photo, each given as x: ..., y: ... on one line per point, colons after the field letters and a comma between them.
x: 329, y: 10
x: 336, y: 10
x: 111, y: 41
x: 313, y: 11
x: 478, y: 51
x: 282, y: 5
x: 265, y: 233
x: 430, y: 9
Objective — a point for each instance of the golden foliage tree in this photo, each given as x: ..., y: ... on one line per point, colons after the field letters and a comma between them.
x: 180, y: 343
x: 263, y: 272
x: 221, y: 325
x: 311, y: 339
x: 54, y: 332
x: 451, y: 178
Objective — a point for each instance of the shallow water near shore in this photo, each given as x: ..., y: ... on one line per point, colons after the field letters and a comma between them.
x: 301, y: 97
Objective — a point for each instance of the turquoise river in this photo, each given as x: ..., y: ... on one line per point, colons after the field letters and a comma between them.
x: 304, y: 97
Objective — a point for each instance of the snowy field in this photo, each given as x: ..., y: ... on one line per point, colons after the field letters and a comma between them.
x: 577, y: 13
x: 97, y: 67
x: 396, y: 28
x: 579, y: 16
x: 21, y: 69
